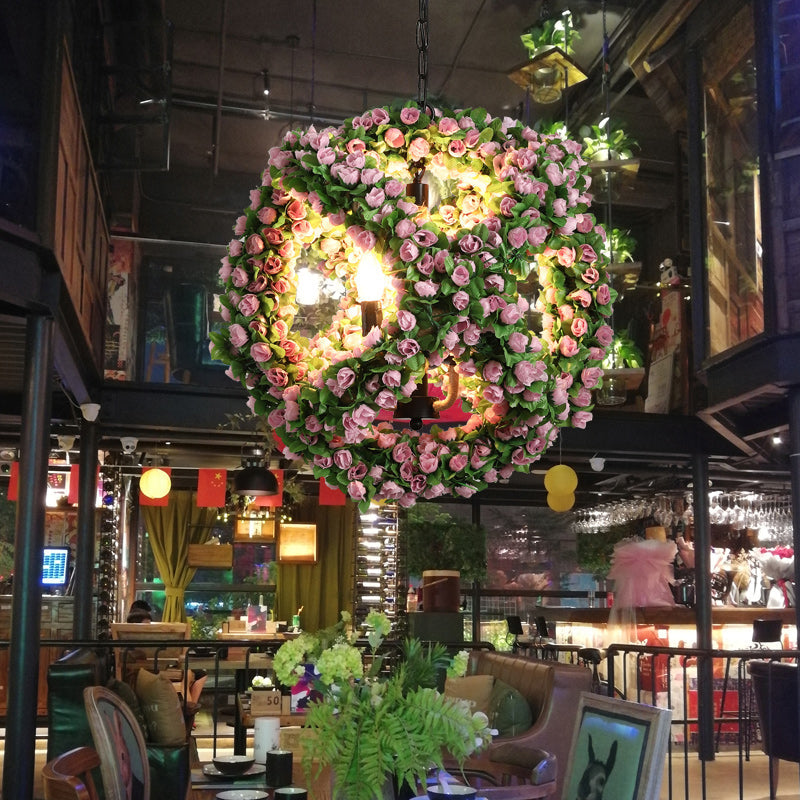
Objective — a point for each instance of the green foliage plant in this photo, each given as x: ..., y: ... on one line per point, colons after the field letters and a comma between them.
x: 551, y: 32
x: 607, y: 141
x: 436, y: 540
x: 372, y: 727
x: 623, y: 353
x: 623, y: 246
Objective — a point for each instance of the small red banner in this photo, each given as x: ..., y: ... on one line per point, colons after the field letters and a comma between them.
x: 330, y: 495
x: 211, y: 486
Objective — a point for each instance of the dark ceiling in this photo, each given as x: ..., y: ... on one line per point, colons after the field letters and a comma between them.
x: 190, y: 127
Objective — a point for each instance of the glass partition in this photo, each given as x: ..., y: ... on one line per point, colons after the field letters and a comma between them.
x: 733, y: 217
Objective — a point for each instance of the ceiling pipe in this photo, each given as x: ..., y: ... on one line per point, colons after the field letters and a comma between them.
x: 215, y: 143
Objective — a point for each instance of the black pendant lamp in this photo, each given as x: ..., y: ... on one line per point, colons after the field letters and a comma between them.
x: 254, y: 479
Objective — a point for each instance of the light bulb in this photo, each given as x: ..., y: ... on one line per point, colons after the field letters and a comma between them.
x: 308, y: 282
x: 369, y: 278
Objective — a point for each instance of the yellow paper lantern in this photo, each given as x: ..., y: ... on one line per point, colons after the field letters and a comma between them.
x: 155, y: 483
x: 561, y: 479
x: 560, y: 502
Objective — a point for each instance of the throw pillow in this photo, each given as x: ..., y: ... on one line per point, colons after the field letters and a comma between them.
x: 125, y: 693
x: 476, y: 689
x: 162, y: 709
x: 509, y: 711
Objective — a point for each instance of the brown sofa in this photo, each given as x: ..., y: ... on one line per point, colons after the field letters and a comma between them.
x: 552, y: 691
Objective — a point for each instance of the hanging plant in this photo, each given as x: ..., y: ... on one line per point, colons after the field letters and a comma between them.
x: 622, y: 245
x: 623, y: 353
x: 556, y: 32
x: 607, y: 142
x: 512, y: 204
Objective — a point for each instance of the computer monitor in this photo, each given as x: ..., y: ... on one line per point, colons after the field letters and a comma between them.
x: 55, y: 566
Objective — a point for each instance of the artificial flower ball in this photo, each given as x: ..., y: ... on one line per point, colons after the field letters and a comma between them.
x: 497, y: 295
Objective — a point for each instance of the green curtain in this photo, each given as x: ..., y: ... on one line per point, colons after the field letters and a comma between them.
x: 325, y: 588
x: 171, y: 529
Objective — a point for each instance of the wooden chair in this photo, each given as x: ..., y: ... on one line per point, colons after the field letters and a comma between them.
x: 69, y: 776
x: 168, y: 658
x: 120, y: 744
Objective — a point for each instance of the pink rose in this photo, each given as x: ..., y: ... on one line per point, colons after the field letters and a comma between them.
x: 254, y: 244
x: 392, y: 378
x: 418, y: 149
x: 409, y: 115
x: 394, y: 137
x: 517, y: 342
x: 447, y: 126
x: 510, y: 315
x: 296, y: 210
x: 605, y: 335
x: 461, y: 275
x: 277, y: 376
x: 566, y: 312
x: 272, y: 235
x: 507, y: 204
x: 401, y: 452
x: 260, y: 352
x: 456, y: 148
x: 428, y: 463
x: 394, y: 188
x: 363, y: 415
x: 406, y: 320
x: 458, y: 462
x: 343, y: 459
x: 568, y: 347
x: 590, y: 376
x: 588, y: 254
x: 408, y: 250
x: 303, y: 229
x: 408, y: 348
x: 579, y: 326
x: 239, y: 277
x: 248, y: 305
x: 494, y: 394
x: 426, y: 288
x: 492, y: 371
x: 517, y: 237
x: 470, y: 244
x: 537, y: 235
x: 580, y: 418
x: 238, y: 335
x: 375, y: 197
x: 527, y: 373
x: 603, y: 294
x: 582, y: 297
x: 591, y: 275
x: 385, y: 399
x: 460, y: 300
x: 566, y: 256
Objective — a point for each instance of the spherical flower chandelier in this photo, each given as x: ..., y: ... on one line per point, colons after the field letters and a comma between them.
x: 510, y: 221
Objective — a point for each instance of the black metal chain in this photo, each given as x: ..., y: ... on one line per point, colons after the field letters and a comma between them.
x: 422, y: 55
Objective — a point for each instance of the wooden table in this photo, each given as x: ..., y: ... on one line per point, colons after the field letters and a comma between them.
x: 204, y: 788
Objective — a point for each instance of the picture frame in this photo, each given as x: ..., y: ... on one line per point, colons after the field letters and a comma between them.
x: 254, y: 528
x: 618, y: 748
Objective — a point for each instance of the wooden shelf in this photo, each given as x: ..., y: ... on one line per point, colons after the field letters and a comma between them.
x: 669, y: 615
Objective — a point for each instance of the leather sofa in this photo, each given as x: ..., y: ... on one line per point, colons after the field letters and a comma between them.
x: 552, y: 690
x: 68, y: 725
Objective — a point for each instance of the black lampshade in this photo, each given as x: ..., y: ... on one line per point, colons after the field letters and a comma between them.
x: 255, y: 481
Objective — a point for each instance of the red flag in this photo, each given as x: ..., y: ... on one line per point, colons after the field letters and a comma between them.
x: 74, y: 478
x: 330, y: 495
x: 149, y: 501
x: 211, y: 486
x: 272, y: 500
x: 13, y: 481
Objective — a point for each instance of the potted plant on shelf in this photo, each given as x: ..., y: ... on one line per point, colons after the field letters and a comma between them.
x: 623, y: 370
x: 378, y: 731
x: 442, y: 550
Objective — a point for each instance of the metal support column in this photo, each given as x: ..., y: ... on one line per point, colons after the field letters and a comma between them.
x: 702, y: 571
x: 794, y: 469
x: 84, y: 559
x: 20, y: 745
